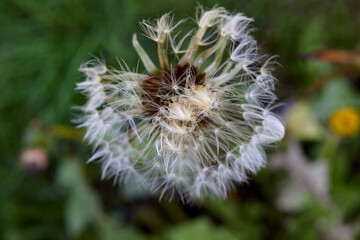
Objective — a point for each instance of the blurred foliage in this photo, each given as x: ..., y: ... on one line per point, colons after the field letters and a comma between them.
x: 43, y: 43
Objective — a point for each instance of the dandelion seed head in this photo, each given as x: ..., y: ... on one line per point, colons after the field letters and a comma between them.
x: 192, y: 125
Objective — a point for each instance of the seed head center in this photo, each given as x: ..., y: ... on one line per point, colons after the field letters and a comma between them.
x: 179, y: 97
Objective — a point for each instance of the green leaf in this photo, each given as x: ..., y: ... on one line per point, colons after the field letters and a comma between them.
x: 200, y: 228
x: 110, y: 229
x: 336, y: 94
x: 82, y: 207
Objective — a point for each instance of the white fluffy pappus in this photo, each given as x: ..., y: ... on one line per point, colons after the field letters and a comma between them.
x: 192, y: 126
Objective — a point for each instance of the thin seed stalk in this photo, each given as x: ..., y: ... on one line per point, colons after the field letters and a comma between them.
x: 163, y: 58
x: 232, y: 73
x: 190, y: 53
x: 205, y: 54
x: 227, y: 67
x: 220, y: 47
x: 220, y: 51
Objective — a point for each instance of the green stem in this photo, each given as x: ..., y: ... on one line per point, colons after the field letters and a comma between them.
x: 149, y: 65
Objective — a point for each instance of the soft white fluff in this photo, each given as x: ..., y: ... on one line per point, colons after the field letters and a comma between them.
x: 208, y: 135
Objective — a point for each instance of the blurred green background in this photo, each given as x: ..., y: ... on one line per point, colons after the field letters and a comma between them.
x: 310, y: 189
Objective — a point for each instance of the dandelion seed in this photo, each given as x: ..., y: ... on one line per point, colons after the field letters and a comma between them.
x: 192, y: 126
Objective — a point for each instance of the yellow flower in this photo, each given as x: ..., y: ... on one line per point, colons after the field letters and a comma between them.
x: 345, y: 122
